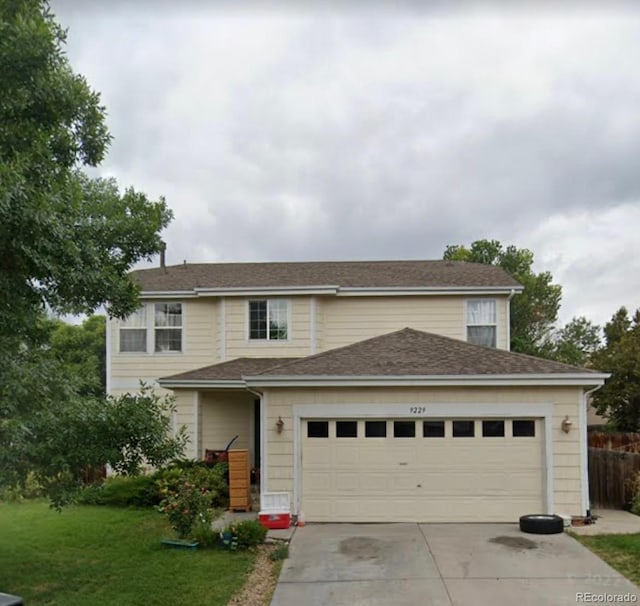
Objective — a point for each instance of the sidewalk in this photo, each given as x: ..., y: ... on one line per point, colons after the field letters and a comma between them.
x: 610, y: 521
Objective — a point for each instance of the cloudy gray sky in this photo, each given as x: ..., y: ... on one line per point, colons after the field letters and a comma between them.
x: 379, y: 133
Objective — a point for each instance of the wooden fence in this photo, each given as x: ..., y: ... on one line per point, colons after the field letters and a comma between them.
x: 628, y: 442
x: 611, y: 477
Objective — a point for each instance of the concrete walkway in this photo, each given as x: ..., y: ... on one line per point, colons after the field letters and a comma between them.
x: 440, y: 565
x: 610, y: 521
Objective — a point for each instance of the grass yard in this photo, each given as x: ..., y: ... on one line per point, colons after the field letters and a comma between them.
x: 108, y: 556
x: 620, y: 551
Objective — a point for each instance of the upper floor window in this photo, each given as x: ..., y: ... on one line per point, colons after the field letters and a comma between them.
x: 168, y: 327
x: 481, y: 322
x: 133, y: 332
x: 154, y: 327
x: 268, y: 319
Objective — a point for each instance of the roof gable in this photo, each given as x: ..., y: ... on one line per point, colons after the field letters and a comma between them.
x: 404, y: 354
x: 410, y: 352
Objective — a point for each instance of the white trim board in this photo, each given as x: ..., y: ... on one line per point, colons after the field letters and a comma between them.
x: 330, y: 289
x: 447, y: 410
x: 512, y: 380
x: 263, y: 446
x: 223, y: 329
x: 196, y: 424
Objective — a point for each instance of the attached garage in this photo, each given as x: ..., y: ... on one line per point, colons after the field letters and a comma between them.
x: 407, y: 469
x: 413, y: 426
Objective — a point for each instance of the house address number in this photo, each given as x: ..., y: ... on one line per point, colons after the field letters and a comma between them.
x: 417, y: 410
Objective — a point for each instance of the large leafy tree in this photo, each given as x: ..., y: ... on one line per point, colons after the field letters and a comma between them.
x: 81, y: 348
x: 619, y: 398
x: 575, y: 343
x: 534, y: 311
x: 67, y: 240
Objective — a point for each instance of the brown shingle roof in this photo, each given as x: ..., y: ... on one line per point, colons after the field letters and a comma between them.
x: 233, y: 370
x: 410, y: 352
x: 345, y: 274
x: 406, y: 352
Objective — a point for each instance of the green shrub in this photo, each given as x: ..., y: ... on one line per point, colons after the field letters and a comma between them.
x: 29, y: 489
x: 249, y: 533
x: 281, y: 552
x: 187, y: 506
x: 123, y: 491
x: 212, y: 479
x: 206, y: 536
x: 635, y: 503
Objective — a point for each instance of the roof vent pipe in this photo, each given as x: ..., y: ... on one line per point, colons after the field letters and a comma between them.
x: 163, y: 250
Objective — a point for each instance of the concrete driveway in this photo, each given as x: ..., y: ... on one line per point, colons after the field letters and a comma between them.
x: 440, y: 564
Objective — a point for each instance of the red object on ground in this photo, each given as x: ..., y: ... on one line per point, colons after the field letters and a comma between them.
x: 275, y: 520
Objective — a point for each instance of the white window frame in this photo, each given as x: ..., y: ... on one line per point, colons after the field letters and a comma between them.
x: 150, y: 328
x: 161, y: 328
x: 268, y: 301
x: 122, y: 326
x: 494, y: 324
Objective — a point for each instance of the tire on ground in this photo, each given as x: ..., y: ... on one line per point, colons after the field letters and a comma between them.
x: 541, y: 524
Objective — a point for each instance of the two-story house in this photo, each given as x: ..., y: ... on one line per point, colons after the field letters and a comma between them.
x: 369, y: 391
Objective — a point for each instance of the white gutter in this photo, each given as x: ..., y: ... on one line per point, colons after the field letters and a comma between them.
x: 584, y: 448
x: 511, y: 295
x: 565, y: 379
x: 203, y: 383
x: 267, y: 290
x: 326, y: 290
x: 167, y: 294
x: 579, y: 380
x: 425, y: 290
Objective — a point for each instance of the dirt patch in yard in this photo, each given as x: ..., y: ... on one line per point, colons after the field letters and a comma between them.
x: 516, y: 543
x: 261, y: 581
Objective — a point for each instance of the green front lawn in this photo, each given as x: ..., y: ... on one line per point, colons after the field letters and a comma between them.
x: 621, y: 551
x: 108, y: 556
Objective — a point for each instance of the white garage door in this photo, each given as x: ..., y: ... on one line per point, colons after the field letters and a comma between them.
x: 466, y: 470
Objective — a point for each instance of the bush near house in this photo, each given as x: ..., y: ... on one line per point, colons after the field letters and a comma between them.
x: 150, y: 490
x: 186, y: 506
x: 123, y: 491
x: 248, y: 533
x: 635, y: 504
x: 212, y: 479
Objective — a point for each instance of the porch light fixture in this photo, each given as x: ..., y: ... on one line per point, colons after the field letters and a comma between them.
x: 279, y: 425
x: 566, y: 424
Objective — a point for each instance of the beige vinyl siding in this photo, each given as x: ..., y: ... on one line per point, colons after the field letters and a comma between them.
x: 200, y: 348
x: 185, y: 416
x: 347, y: 320
x: 221, y: 416
x: 565, y: 401
x: 226, y: 414
x: 237, y: 339
x: 320, y: 324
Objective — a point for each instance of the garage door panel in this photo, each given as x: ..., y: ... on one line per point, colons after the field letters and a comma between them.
x: 421, y: 479
x: 436, y: 509
x: 347, y: 482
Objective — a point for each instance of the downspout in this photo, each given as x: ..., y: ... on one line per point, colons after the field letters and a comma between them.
x: 511, y: 295
x: 584, y: 448
x: 263, y: 442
